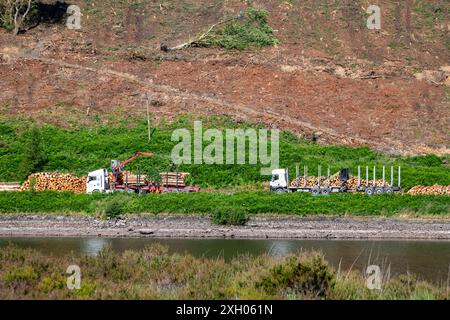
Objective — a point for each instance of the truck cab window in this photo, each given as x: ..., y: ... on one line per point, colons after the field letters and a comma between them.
x: 275, y: 177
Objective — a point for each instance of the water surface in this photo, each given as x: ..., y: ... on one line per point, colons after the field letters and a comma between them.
x: 430, y: 260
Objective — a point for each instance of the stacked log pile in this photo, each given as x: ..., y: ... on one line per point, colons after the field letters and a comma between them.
x: 133, y: 179
x: 435, y: 190
x: 352, y: 183
x: 173, y: 179
x: 10, y: 186
x: 54, y: 181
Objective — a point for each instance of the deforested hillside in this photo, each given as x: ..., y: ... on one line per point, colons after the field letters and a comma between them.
x: 311, y: 67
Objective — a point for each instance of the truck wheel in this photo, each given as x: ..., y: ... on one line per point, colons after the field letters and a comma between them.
x: 379, y: 191
x: 326, y: 191
x: 369, y: 191
x: 315, y: 191
x: 389, y: 191
x: 279, y: 190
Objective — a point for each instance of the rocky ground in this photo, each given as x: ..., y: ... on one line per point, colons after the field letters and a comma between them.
x: 201, y: 227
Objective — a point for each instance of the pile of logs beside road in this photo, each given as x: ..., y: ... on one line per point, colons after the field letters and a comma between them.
x: 435, y: 190
x: 10, y: 186
x: 55, y: 181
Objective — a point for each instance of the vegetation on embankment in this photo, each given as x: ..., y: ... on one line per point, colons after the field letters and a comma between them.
x: 153, y: 273
x: 82, y: 149
x: 207, y: 203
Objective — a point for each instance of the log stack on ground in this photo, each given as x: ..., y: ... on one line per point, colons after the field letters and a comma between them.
x: 10, y: 186
x: 173, y: 179
x: 435, y: 190
x: 43, y: 181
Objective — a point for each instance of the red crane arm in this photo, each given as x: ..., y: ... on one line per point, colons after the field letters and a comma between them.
x: 136, y: 155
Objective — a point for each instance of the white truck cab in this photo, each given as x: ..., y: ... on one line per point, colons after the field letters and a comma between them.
x: 279, y: 181
x: 97, y: 181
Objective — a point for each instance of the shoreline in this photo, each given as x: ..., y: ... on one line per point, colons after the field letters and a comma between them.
x: 200, y: 227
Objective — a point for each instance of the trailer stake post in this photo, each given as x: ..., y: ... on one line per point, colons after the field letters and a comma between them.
x: 367, y: 176
x: 392, y: 176
x: 319, y: 173
x: 374, y: 176
x: 306, y: 174
x: 328, y: 176
x: 359, y: 176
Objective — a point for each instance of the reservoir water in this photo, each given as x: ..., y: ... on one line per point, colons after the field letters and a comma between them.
x: 429, y: 260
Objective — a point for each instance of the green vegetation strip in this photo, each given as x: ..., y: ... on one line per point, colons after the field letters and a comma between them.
x: 153, y: 273
x: 207, y: 203
x: 85, y: 148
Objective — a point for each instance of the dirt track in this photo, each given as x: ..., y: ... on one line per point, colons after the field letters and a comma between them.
x: 200, y: 227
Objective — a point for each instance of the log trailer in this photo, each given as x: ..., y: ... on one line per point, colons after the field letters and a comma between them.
x: 280, y: 182
x: 101, y: 181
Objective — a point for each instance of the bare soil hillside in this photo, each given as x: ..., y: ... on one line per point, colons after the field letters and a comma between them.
x: 329, y: 77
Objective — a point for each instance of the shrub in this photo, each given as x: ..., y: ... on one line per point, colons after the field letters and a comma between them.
x: 20, y: 274
x: 34, y: 157
x: 308, y: 275
x: 114, y: 208
x: 17, y: 14
x: 53, y: 282
x: 229, y: 216
x: 251, y: 31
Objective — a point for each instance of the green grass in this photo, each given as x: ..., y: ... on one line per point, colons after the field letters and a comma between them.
x: 153, y: 273
x: 88, y: 148
x: 207, y: 203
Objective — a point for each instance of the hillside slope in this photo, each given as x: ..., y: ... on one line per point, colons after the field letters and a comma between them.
x: 329, y: 77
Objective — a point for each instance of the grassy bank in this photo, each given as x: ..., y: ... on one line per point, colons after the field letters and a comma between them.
x: 87, y: 148
x: 152, y: 273
x: 205, y: 203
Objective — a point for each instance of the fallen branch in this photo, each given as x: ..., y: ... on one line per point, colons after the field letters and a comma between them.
x: 197, y: 40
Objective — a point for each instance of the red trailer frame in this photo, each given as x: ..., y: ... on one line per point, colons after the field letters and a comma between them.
x: 146, y: 188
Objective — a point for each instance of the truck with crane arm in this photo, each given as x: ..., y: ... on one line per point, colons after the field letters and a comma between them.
x: 102, y: 181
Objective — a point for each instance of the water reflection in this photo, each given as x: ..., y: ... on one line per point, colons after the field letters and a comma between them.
x: 280, y: 248
x: 92, y: 246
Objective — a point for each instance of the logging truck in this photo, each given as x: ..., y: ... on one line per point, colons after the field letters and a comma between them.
x: 118, y: 181
x: 342, y: 182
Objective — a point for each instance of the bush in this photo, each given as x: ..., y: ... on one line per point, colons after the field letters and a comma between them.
x: 308, y: 275
x: 20, y: 274
x: 34, y: 157
x: 229, y: 216
x: 25, y: 15
x: 253, y: 31
x: 114, y: 208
